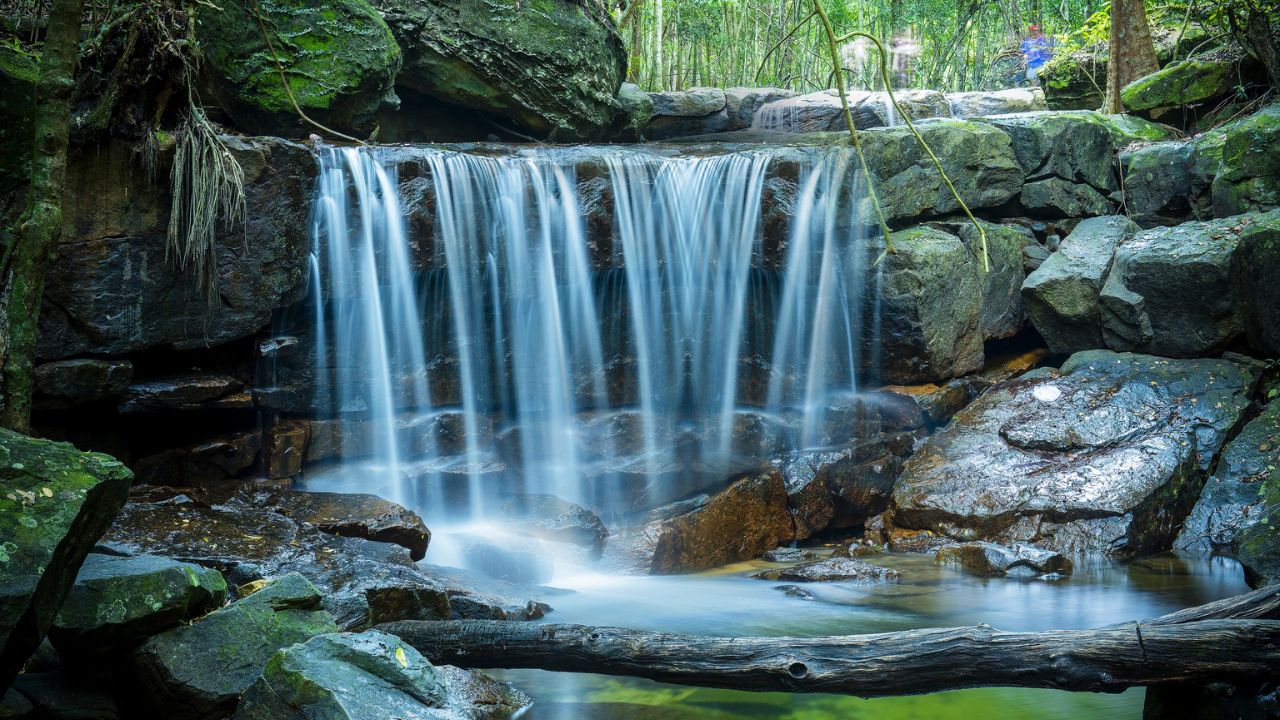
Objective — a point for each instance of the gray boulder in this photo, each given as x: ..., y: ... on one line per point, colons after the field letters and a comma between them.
x: 55, y: 503
x: 554, y: 69
x: 836, y: 569
x: 1254, y: 269
x: 989, y: 559
x: 996, y: 102
x: 198, y: 671
x: 696, y: 111
x: 120, y: 601
x: 1234, y: 496
x: 1169, y: 290
x: 1106, y: 455
x: 1054, y: 198
x: 370, y: 676
x: 1001, y: 312
x: 1062, y: 294
x: 1075, y: 146
x: 741, y: 103
x: 1158, y: 182
x: 1249, y: 175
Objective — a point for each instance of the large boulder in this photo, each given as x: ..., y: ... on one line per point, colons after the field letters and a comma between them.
x: 1000, y: 312
x: 843, y: 485
x: 996, y: 102
x: 339, y: 56
x: 1234, y: 497
x: 120, y: 601
x: 1062, y: 294
x: 1169, y: 290
x: 1259, y: 546
x: 741, y: 522
x: 1159, y: 186
x: 1055, y: 198
x: 741, y: 103
x: 54, y: 503
x: 1249, y: 175
x: 347, y: 514
x: 370, y: 676
x: 695, y: 111
x: 1187, y: 82
x: 114, y: 289
x: 198, y: 671
x: 552, y: 66
x: 66, y: 383
x: 1077, y: 147
x: 930, y: 299
x: 1254, y: 269
x: 548, y: 517
x: 1105, y: 455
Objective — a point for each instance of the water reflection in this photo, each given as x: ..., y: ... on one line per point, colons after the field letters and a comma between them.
x: 727, y: 602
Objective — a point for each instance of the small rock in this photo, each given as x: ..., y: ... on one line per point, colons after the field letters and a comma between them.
x: 831, y: 570
x: 794, y: 591
x: 789, y: 555
x: 984, y: 558
x: 549, y: 518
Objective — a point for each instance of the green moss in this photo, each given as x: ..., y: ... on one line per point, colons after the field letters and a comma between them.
x: 1182, y: 83
x: 1131, y: 128
x: 1248, y: 174
x: 1259, y: 549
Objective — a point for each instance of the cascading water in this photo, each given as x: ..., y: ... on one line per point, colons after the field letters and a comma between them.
x: 615, y: 327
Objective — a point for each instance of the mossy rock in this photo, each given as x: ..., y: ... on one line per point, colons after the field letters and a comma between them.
x: 1259, y: 549
x: 553, y: 67
x: 1182, y: 83
x: 198, y: 671
x: 1249, y: 172
x: 55, y: 502
x: 120, y: 601
x: 18, y: 72
x: 1131, y: 128
x: 339, y: 56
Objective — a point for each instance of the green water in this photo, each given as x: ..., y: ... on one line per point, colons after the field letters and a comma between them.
x: 727, y: 602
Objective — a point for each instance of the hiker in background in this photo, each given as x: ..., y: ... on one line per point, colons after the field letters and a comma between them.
x: 1037, y: 49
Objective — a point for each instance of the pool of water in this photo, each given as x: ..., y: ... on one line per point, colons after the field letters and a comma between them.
x: 728, y: 602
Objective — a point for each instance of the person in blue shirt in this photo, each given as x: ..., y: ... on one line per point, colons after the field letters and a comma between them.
x: 1037, y: 49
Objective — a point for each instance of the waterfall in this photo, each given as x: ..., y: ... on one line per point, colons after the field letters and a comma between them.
x: 618, y: 327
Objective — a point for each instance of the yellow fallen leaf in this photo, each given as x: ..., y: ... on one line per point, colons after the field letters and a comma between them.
x: 46, y: 492
x: 400, y: 657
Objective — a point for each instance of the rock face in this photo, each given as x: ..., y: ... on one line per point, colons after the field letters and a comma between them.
x: 339, y: 55
x: 1181, y: 83
x: 119, y: 601
x: 1249, y: 175
x: 831, y: 570
x: 552, y: 66
x: 198, y: 671
x: 1107, y: 454
x: 369, y: 676
x: 112, y: 290
x: 1169, y: 290
x: 1234, y: 497
x: 989, y: 559
x: 1068, y: 160
x: 1159, y: 186
x: 741, y: 522
x: 72, y: 382
x: 55, y: 503
x: 350, y: 515
x: 1062, y: 294
x: 1253, y: 271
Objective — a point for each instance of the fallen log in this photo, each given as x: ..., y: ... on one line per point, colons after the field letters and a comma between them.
x: 1229, y: 639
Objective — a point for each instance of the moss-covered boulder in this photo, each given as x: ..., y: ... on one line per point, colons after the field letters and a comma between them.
x: 1248, y: 177
x: 338, y: 55
x: 1259, y: 548
x: 1255, y: 268
x: 198, y: 671
x: 18, y: 72
x: 120, y: 601
x: 1127, y: 129
x: 55, y: 502
x: 1181, y: 83
x: 371, y: 676
x: 551, y: 66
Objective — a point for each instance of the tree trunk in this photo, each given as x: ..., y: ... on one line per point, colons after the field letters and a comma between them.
x: 1133, y: 55
x: 1221, y: 640
x: 39, y: 228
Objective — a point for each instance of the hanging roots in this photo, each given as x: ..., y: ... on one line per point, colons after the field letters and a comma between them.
x: 207, y: 184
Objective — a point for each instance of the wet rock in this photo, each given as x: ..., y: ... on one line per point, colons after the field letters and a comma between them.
x: 118, y: 602
x: 1158, y: 185
x: 876, y: 109
x: 1248, y: 177
x: 1234, y: 496
x: 340, y: 57
x: 549, y: 518
x: 935, y: 403
x: 114, y: 290
x: 930, y: 302
x: 347, y: 514
x: 485, y: 598
x: 285, y: 449
x: 1182, y: 83
x: 19, y: 71
x: 1054, y: 197
x: 840, y: 485
x: 192, y: 392
x: 794, y: 591
x: 15, y: 706
x: 996, y: 102
x: 790, y: 555
x: 1000, y: 311
x: 369, y: 676
x: 54, y: 503
x: 198, y: 671
x: 1062, y: 294
x: 741, y: 522
x: 1126, y: 129
x: 812, y: 112
x: 1107, y: 455
x: 831, y: 570
x: 209, y: 461
x: 1254, y: 267
x: 694, y: 102
x: 70, y: 382
x: 635, y: 109
x: 553, y: 69
x: 514, y: 565
x: 1074, y: 147
x: 1259, y: 547
x: 987, y: 559
x: 1169, y: 290
x: 741, y: 103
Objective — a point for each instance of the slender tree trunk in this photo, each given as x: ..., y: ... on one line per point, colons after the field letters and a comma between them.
x: 40, y: 227
x: 1132, y: 52
x: 661, y: 83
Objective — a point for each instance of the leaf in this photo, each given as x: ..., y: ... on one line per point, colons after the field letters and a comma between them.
x: 400, y: 657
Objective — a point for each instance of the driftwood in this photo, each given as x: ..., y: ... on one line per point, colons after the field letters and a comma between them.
x: 1233, y: 638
